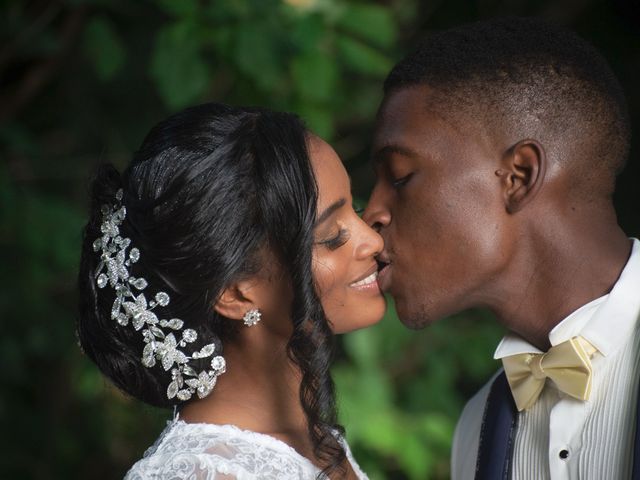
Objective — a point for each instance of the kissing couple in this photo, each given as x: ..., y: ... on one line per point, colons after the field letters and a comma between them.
x: 218, y: 266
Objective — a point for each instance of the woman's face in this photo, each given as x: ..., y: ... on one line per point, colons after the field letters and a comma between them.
x: 344, y: 266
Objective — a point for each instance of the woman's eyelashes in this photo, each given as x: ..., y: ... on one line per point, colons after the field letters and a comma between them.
x: 337, y: 240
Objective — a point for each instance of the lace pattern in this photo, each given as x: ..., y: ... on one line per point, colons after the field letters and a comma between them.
x: 202, y: 451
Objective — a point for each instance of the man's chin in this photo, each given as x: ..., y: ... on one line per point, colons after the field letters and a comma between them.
x: 412, y: 319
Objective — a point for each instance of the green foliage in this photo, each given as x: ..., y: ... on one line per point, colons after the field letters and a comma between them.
x: 362, y: 58
x: 398, y: 391
x: 371, y: 23
x: 104, y: 48
x: 314, y: 76
x: 180, y: 73
x: 298, y: 56
x: 98, y: 75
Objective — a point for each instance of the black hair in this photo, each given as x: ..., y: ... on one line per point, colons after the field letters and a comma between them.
x: 209, y: 189
x: 529, y: 79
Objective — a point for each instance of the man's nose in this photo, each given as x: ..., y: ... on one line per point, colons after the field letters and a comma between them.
x: 376, y: 215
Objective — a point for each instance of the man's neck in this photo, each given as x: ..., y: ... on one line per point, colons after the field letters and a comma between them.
x: 557, y: 275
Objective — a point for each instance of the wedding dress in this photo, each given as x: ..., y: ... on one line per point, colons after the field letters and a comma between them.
x: 203, y: 451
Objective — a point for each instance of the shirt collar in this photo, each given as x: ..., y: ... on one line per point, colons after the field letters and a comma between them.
x: 605, y: 322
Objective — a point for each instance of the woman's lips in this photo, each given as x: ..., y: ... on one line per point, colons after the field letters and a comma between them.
x: 366, y: 281
x: 369, y: 282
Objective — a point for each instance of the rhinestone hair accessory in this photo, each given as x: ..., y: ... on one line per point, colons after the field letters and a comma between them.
x: 164, y: 339
x: 252, y: 317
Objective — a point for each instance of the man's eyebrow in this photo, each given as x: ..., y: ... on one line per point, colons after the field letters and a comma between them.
x: 330, y: 210
x: 385, y: 152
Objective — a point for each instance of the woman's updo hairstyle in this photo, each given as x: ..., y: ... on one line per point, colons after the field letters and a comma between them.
x: 209, y: 188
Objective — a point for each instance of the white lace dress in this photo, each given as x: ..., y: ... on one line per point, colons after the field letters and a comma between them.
x: 203, y: 451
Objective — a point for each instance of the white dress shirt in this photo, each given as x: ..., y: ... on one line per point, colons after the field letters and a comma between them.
x: 559, y: 437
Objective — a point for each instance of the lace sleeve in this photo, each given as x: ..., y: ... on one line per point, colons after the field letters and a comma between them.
x: 199, y: 456
x: 222, y: 452
x: 185, y: 467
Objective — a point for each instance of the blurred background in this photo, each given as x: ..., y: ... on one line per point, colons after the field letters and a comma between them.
x: 81, y: 82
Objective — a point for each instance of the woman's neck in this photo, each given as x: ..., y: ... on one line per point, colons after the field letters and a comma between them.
x: 259, y: 392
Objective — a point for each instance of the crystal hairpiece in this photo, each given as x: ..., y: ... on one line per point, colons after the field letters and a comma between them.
x: 129, y: 307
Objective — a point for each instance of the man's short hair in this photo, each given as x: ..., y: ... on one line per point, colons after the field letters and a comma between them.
x: 525, y: 78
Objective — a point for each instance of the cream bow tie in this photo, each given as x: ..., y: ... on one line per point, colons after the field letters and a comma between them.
x: 568, y: 364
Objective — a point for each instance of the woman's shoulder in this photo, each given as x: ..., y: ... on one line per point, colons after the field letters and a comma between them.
x: 202, y: 451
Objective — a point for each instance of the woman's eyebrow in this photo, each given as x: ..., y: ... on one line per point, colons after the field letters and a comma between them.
x: 330, y: 210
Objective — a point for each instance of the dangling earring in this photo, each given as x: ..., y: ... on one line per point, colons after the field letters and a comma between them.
x: 252, y: 317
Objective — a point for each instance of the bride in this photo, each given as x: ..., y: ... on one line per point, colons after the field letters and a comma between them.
x: 214, y: 272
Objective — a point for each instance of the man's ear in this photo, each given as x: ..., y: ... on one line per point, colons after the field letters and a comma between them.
x: 237, y: 299
x: 522, y: 175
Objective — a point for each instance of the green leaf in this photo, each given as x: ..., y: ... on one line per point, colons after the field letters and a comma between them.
x: 362, y: 394
x: 373, y: 23
x: 220, y: 39
x: 362, y: 58
x: 88, y: 383
x: 319, y: 119
x: 177, y: 67
x: 414, y: 455
x: 225, y: 12
x: 308, y: 32
x: 438, y: 429
x: 315, y: 76
x: 179, y: 8
x: 103, y: 48
x: 362, y: 345
x: 257, y: 54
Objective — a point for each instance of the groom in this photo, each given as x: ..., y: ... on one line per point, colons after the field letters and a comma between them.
x: 496, y: 149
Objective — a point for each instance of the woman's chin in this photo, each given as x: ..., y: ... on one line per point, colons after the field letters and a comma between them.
x: 370, y: 313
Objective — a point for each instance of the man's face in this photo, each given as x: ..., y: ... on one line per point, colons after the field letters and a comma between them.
x: 438, y: 204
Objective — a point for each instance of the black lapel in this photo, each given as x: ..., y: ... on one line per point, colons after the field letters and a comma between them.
x: 497, y: 433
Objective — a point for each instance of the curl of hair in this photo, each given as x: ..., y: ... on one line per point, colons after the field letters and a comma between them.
x: 209, y: 188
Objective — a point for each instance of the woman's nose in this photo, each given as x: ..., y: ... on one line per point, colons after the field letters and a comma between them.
x: 371, y: 244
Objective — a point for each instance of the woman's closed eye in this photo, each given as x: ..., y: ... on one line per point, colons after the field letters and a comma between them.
x: 336, y: 240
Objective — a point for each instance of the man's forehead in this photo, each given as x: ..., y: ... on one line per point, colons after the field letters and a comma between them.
x: 403, y: 102
x: 404, y: 120
x: 420, y: 115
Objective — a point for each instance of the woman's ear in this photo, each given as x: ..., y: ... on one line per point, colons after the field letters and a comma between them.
x: 237, y: 299
x: 522, y: 176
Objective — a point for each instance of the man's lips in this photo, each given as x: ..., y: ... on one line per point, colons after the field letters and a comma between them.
x: 384, y: 268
